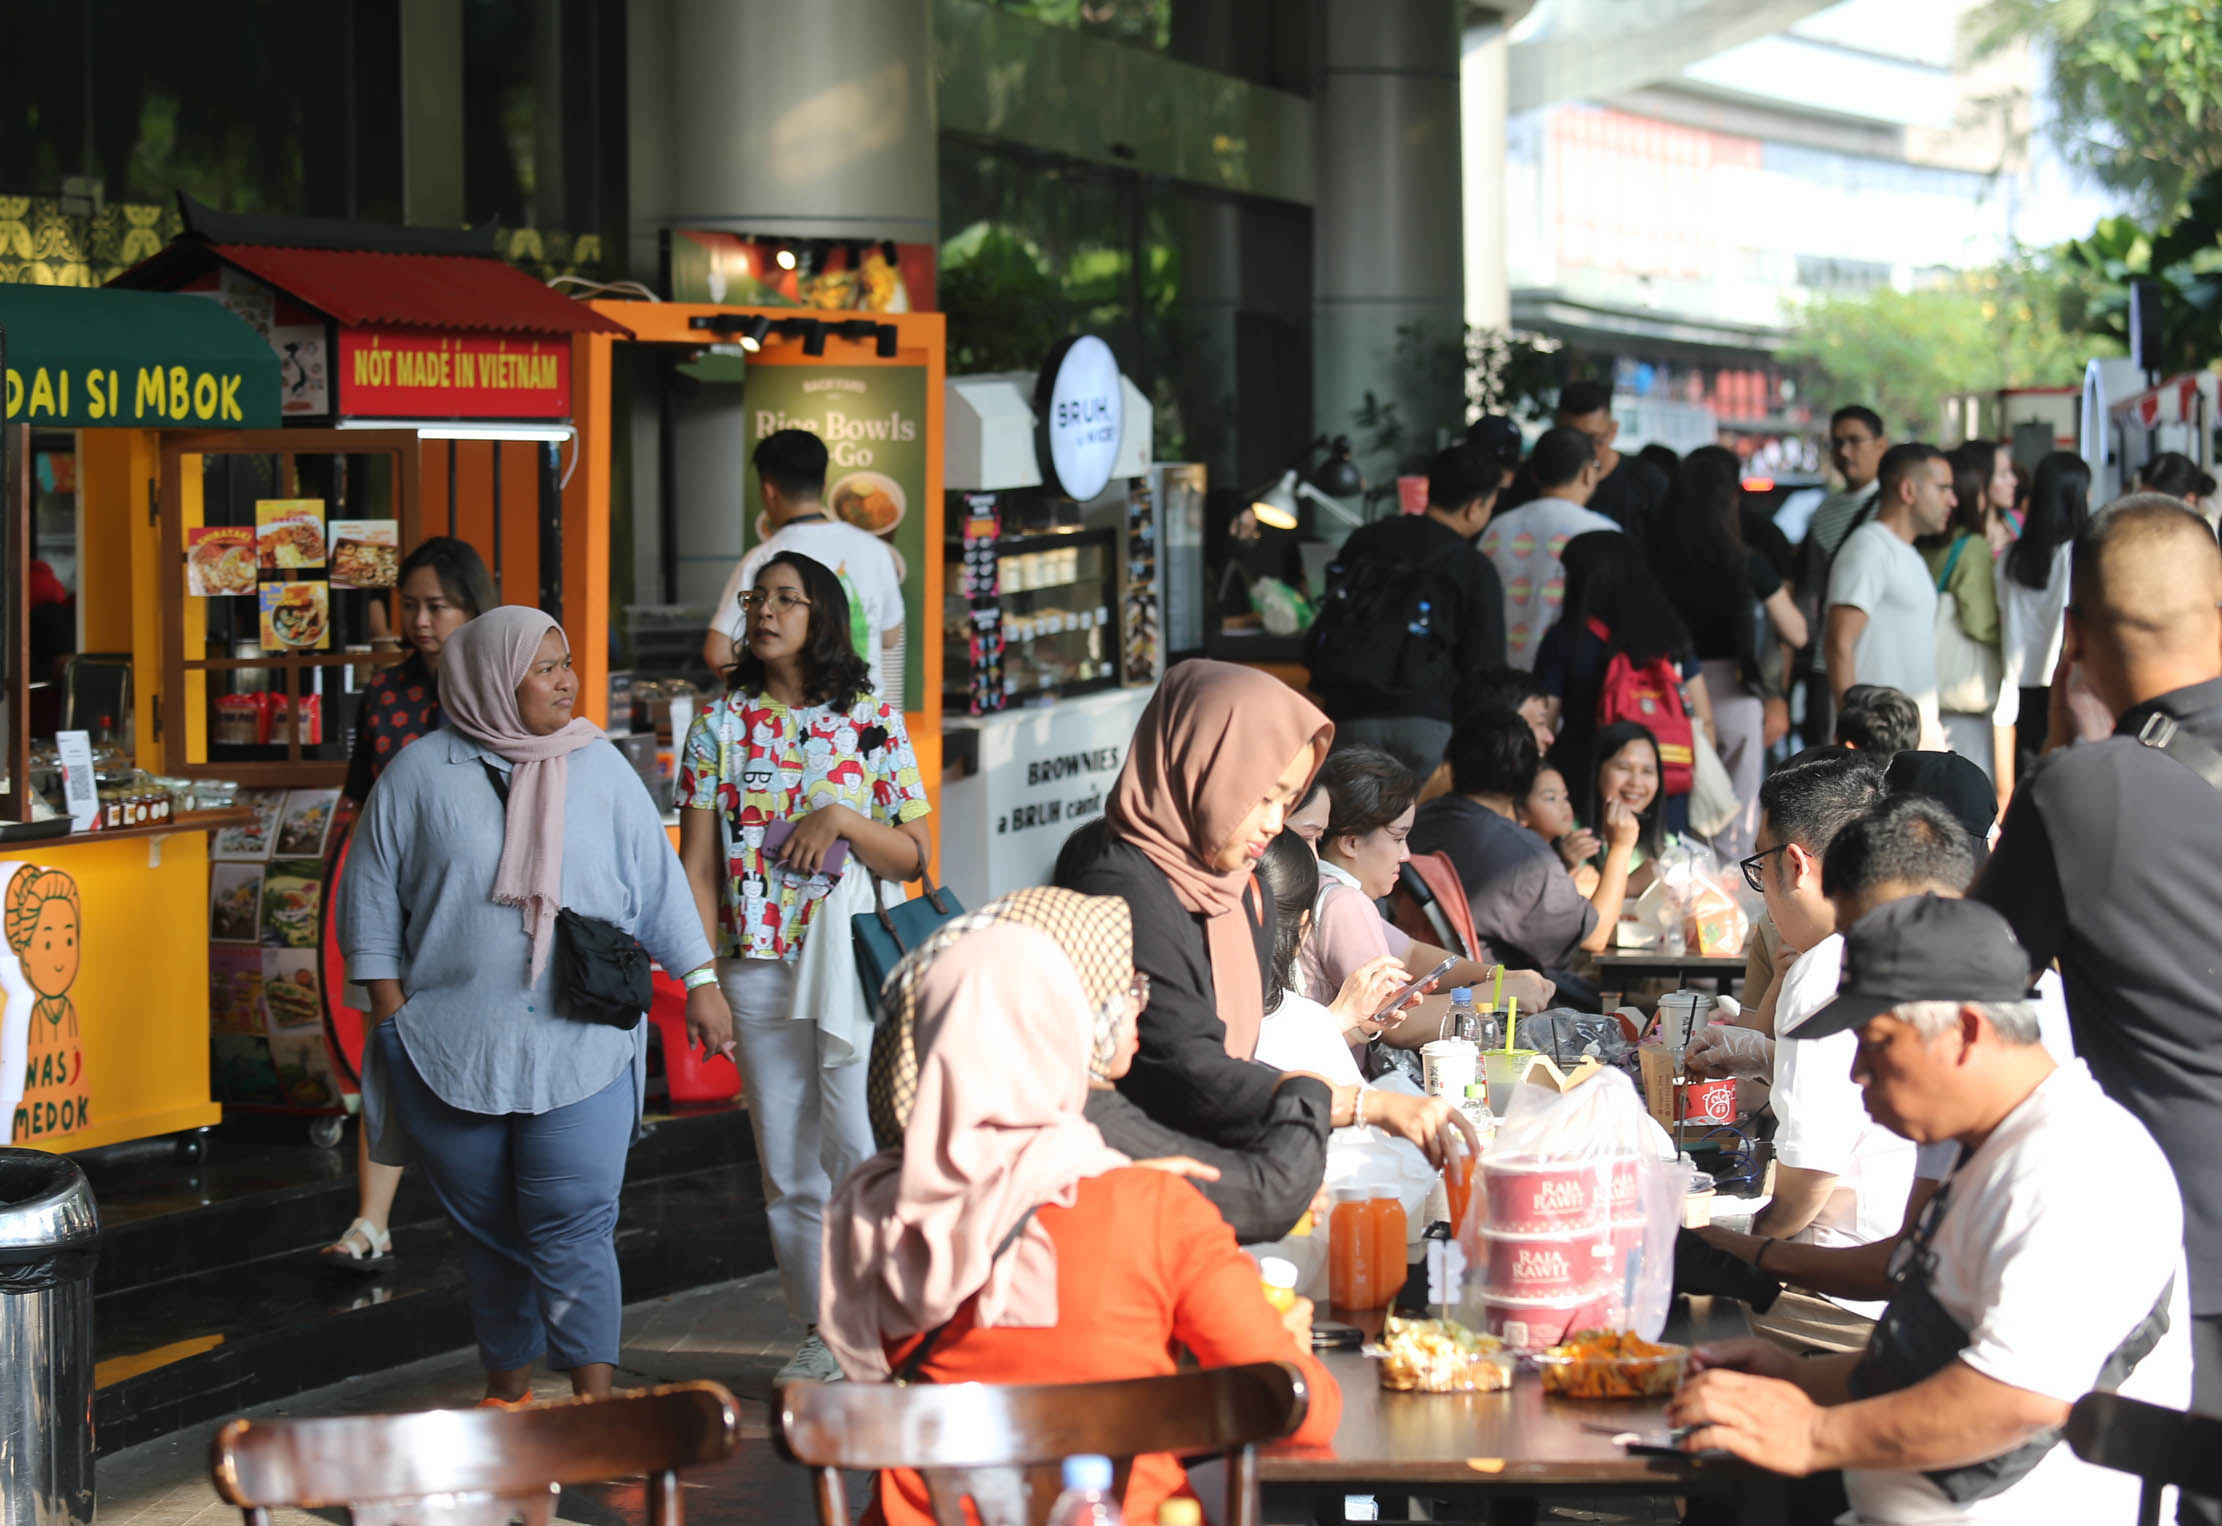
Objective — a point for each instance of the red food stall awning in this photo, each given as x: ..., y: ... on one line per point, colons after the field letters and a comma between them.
x: 364, y: 288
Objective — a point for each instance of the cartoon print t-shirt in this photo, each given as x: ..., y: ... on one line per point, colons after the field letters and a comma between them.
x: 754, y: 761
x: 1525, y: 546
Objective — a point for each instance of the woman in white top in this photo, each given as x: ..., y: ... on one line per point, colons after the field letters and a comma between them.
x: 2033, y: 597
x: 1372, y: 799
x: 1303, y: 1035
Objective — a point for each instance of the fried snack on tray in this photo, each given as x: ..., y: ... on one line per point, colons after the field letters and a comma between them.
x: 1611, y: 1364
x: 1441, y: 1356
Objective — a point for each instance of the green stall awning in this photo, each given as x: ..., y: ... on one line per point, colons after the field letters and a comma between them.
x: 104, y: 358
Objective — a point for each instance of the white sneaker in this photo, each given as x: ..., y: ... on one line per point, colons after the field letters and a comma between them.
x: 813, y: 1362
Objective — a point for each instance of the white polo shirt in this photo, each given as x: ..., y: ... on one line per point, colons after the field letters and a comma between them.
x: 1821, y: 1120
x: 2057, y: 1239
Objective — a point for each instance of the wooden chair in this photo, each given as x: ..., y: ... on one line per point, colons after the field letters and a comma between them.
x: 1002, y: 1446
x: 475, y: 1467
x: 2161, y: 1446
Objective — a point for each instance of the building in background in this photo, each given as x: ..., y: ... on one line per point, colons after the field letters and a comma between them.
x: 1665, y: 211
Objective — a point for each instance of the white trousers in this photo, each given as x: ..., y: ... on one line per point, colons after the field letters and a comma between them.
x: 811, y: 1124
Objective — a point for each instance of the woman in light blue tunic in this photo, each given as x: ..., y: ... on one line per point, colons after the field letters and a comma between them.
x: 519, y: 1114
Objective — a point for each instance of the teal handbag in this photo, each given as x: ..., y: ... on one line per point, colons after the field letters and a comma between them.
x: 883, y: 935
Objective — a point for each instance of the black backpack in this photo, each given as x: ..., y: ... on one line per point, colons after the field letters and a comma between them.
x: 1386, y: 625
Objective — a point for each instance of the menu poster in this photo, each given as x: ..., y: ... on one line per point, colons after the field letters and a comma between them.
x: 235, y: 989
x: 240, y: 1068
x: 304, y: 1071
x: 290, y: 989
x: 296, y: 617
x: 80, y: 789
x: 219, y: 561
x: 873, y: 420
x: 289, y: 534
x: 235, y: 903
x: 253, y: 840
x: 366, y: 553
x: 306, y: 822
x: 292, y: 898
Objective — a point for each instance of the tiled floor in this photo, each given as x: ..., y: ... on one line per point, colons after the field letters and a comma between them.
x: 736, y: 1333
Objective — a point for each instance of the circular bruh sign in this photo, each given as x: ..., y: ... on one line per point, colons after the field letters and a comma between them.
x: 1078, y: 413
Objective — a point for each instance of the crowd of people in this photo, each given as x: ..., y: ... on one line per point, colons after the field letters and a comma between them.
x: 1988, y: 1067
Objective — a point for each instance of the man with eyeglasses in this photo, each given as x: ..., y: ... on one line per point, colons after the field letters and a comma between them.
x: 1839, y: 1178
x: 2048, y: 1264
x: 1906, y: 844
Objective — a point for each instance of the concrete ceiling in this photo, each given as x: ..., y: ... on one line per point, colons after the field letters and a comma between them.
x: 1589, y: 50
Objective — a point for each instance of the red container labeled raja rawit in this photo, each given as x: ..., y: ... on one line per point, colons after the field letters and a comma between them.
x: 1527, y: 1197
x: 1547, y: 1266
x: 1530, y: 1324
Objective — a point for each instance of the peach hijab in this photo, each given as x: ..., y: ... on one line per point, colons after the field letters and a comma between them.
x: 1210, y: 746
x: 1004, y: 1031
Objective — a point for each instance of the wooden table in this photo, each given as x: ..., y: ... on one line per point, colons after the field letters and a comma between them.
x: 1492, y: 1455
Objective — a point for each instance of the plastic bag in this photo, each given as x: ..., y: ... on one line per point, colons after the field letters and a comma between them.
x: 1698, y: 893
x: 1569, y: 1037
x: 1574, y: 1219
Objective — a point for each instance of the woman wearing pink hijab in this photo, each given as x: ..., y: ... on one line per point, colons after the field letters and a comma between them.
x: 1004, y: 1242
x: 476, y: 836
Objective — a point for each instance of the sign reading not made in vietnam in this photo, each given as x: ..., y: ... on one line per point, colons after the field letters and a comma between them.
x: 399, y: 373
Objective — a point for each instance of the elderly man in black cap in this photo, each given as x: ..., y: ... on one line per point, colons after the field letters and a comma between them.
x: 2048, y: 1264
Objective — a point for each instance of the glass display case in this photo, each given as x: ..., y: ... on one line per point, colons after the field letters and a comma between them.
x: 1029, y: 619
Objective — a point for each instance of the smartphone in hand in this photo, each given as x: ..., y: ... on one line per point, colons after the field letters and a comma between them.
x: 1395, y: 1003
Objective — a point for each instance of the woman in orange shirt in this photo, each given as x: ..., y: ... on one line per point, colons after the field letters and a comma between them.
x: 1006, y: 1232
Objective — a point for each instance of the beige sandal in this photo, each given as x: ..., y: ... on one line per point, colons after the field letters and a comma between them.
x: 363, y: 1251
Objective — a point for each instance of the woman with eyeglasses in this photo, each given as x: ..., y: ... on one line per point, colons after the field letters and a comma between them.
x: 798, y: 785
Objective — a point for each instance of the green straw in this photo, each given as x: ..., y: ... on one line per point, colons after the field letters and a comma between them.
x: 1511, y: 1023
x: 1496, y: 992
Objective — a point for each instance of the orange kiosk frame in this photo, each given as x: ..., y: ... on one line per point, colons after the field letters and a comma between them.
x: 919, y: 342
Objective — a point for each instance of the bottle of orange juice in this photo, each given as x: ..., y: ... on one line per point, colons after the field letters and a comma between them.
x: 1278, y: 1277
x: 1350, y: 1252
x: 1385, y: 1215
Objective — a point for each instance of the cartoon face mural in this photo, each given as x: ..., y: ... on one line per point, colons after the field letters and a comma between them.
x: 43, y: 1092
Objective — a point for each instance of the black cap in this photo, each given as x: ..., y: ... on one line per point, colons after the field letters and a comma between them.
x: 1922, y: 948
x: 1498, y: 435
x: 1952, y: 782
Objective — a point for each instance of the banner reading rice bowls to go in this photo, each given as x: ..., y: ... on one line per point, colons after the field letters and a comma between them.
x: 873, y: 420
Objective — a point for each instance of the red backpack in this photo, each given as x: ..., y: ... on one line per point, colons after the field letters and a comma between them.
x: 1651, y: 696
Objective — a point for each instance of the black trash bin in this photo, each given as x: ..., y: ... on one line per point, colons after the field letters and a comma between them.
x: 49, y: 1237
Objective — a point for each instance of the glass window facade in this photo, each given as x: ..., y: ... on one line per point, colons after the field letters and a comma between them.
x: 284, y: 109
x: 1205, y: 297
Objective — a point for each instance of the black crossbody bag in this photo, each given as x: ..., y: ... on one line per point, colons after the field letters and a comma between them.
x: 599, y: 970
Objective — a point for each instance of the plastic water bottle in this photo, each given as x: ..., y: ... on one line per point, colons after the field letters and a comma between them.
x: 1465, y: 1023
x: 1087, y: 1498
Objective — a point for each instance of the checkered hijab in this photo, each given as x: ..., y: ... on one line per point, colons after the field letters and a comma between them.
x: 1095, y: 931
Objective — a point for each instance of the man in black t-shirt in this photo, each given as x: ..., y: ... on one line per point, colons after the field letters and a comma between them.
x: 1385, y: 667
x: 1632, y: 492
x: 2110, y: 861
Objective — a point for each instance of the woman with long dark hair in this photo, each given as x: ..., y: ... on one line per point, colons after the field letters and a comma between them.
x: 1960, y: 561
x: 441, y: 586
x: 1623, y: 767
x: 1986, y: 485
x: 1608, y: 585
x: 2033, y: 599
x: 797, y: 787
x: 1734, y: 603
